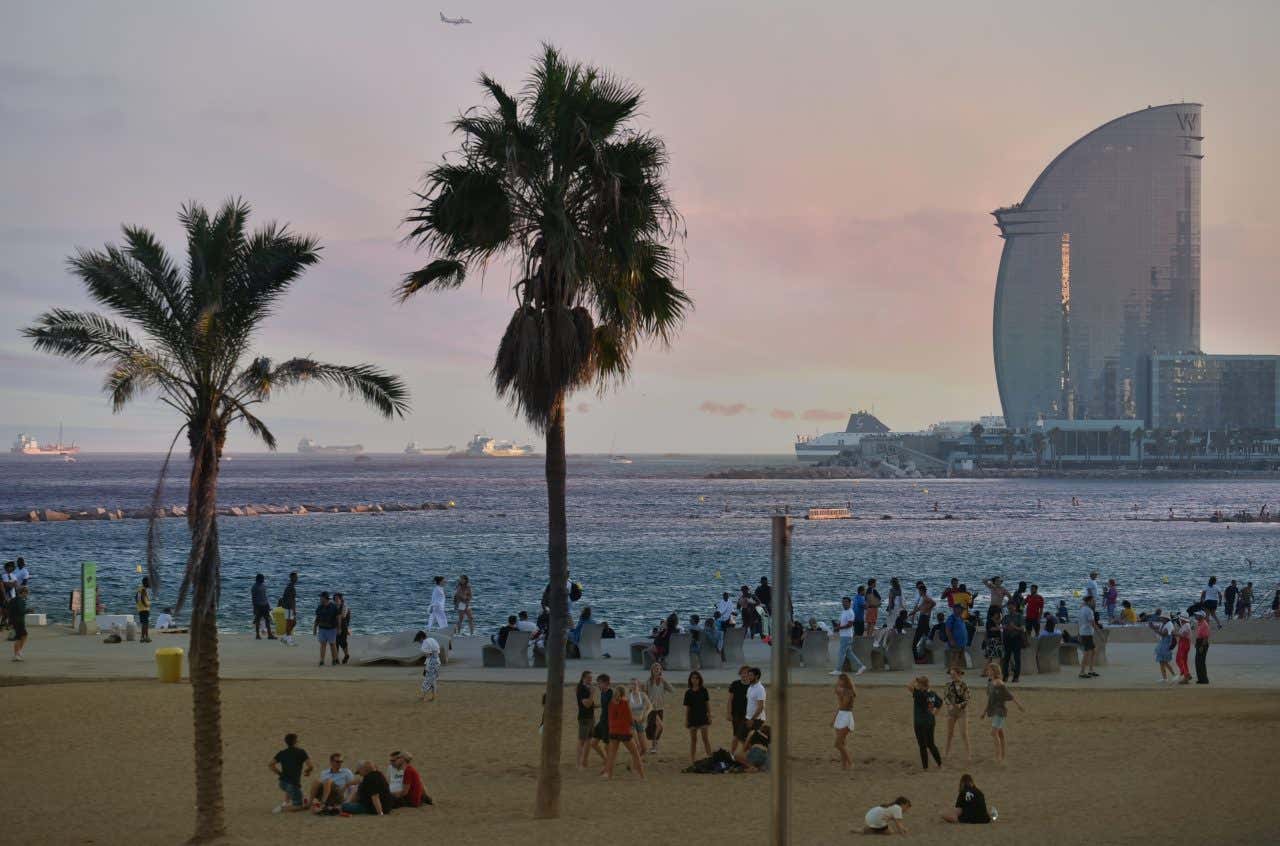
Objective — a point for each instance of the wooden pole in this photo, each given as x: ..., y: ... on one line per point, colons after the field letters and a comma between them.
x: 779, y: 772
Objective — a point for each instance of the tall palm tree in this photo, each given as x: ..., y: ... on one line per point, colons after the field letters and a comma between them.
x: 1037, y: 446
x: 186, y: 334
x: 1009, y: 446
x: 1057, y: 439
x: 557, y: 180
x: 976, y: 433
x: 1140, y: 435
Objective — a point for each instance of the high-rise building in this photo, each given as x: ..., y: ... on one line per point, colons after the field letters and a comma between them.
x: 1101, y: 268
x: 1215, y: 392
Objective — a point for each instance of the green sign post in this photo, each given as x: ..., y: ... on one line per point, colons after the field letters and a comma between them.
x: 88, y: 592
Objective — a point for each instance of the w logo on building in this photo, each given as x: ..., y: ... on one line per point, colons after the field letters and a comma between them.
x: 1188, y: 121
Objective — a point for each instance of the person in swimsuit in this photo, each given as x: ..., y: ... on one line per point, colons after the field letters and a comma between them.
x: 462, y: 604
x: 956, y: 698
x: 843, y: 721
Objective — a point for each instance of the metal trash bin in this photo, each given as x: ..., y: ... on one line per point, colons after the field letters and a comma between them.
x: 169, y: 664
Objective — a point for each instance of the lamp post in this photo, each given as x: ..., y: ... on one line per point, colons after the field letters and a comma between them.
x: 779, y: 774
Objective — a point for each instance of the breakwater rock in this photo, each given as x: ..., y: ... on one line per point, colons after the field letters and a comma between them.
x: 50, y: 515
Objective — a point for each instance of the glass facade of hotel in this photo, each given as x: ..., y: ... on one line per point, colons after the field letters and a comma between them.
x: 1100, y: 269
x: 1215, y: 392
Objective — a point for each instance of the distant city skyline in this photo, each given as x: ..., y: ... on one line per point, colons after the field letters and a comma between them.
x: 836, y: 166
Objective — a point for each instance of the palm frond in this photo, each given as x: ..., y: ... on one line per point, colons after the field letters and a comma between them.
x: 440, y: 274
x: 382, y: 391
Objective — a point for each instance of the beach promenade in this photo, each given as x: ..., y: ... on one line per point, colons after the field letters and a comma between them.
x: 100, y: 752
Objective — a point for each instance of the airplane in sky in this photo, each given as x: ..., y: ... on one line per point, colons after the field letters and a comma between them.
x: 454, y: 21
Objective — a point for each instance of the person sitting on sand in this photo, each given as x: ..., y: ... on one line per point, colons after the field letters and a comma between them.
x: 407, y: 789
x: 373, y: 794
x: 971, y: 805
x: 290, y: 764
x: 887, y: 818
x: 329, y: 790
x: 754, y: 757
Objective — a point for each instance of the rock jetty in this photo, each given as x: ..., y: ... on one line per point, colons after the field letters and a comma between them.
x: 50, y: 515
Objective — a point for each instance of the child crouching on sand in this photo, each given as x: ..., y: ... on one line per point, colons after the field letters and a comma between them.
x: 431, y: 667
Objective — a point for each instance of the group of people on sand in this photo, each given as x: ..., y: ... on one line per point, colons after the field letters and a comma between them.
x: 613, y: 715
x: 970, y: 808
x: 338, y: 791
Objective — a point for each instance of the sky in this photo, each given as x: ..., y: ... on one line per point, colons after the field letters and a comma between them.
x: 836, y: 164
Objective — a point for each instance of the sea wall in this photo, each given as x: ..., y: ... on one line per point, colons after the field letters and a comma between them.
x: 51, y: 515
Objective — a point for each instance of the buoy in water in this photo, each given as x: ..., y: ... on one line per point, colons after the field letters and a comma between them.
x: 924, y: 490
x: 717, y: 574
x: 702, y: 499
x: 139, y: 568
x: 452, y: 503
x: 1075, y: 593
x: 1164, y: 579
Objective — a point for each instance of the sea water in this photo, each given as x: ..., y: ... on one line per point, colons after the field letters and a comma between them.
x: 645, y: 539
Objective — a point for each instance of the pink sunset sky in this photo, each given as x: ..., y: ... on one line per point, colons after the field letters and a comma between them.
x: 836, y: 163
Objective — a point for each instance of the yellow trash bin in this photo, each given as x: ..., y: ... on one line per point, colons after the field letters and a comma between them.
x: 169, y: 664
x: 277, y: 621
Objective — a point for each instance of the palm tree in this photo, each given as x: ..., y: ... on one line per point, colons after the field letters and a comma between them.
x: 976, y: 434
x: 1007, y: 443
x: 1057, y: 440
x: 1140, y: 434
x: 557, y: 180
x: 1117, y: 434
x: 1037, y: 446
x: 186, y: 334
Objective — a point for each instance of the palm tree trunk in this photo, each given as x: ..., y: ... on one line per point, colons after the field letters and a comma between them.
x: 205, y: 691
x: 548, y: 799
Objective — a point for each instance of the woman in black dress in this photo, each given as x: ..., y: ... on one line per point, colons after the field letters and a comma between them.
x: 971, y: 805
x: 697, y: 714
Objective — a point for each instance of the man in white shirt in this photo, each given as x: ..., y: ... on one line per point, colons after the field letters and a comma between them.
x: 1088, y: 628
x: 844, y: 626
x: 524, y: 624
x: 165, y: 620
x: 437, y: 618
x: 726, y: 608
x: 1209, y: 597
x: 330, y: 789
x: 755, y: 699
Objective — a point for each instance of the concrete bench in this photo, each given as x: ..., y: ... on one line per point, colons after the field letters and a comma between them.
x: 1068, y: 654
x: 1047, y: 649
x: 862, y: 649
x: 36, y: 620
x: 638, y: 649
x: 678, y: 655
x: 106, y: 622
x: 898, y: 652
x: 589, y: 645
x: 396, y: 648
x: 514, y: 654
x: 733, y: 640
x: 1029, y: 651
x: 815, y: 650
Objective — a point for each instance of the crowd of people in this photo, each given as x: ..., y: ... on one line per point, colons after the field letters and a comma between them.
x: 338, y: 791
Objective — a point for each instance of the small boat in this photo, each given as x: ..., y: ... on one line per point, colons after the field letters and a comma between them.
x: 67, y: 459
x: 829, y: 514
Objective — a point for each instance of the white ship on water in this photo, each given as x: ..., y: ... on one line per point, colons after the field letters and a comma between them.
x: 482, y: 446
x: 818, y: 447
x: 310, y: 446
x: 26, y: 445
x: 414, y: 448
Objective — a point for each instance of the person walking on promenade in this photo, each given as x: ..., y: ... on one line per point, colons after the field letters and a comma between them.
x: 860, y: 611
x: 1184, y: 648
x: 1209, y: 598
x: 462, y: 596
x: 956, y: 697
x: 998, y: 694
x: 1089, y: 624
x: 924, y: 704
x: 261, y: 608
x: 18, y: 619
x: 843, y: 720
x: 736, y: 708
x: 344, y: 627
x: 658, y: 687
x: 325, y: 628
x: 1202, y: 648
x: 845, y: 627
x: 697, y: 714
x: 957, y: 637
x: 1013, y: 635
x: 289, y: 602
x: 437, y: 619
x: 1244, y: 604
x: 921, y: 612
x: 873, y: 605
x: 1033, y: 610
x: 1167, y: 634
x: 142, y: 604
x: 1229, y: 597
x: 621, y: 734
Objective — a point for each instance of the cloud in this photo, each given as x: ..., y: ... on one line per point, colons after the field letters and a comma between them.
x: 823, y: 414
x: 583, y: 408
x: 722, y: 409
x: 782, y: 414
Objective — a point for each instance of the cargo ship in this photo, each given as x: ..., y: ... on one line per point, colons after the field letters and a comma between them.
x: 413, y: 448
x: 310, y: 446
x: 25, y: 445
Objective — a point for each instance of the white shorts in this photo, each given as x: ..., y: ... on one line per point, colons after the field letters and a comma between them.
x: 844, y: 720
x: 461, y: 606
x: 289, y: 614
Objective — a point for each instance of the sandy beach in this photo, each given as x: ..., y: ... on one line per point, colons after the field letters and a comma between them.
x: 1122, y: 760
